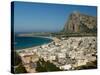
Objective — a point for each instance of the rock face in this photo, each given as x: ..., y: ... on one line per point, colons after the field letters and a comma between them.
x: 78, y: 22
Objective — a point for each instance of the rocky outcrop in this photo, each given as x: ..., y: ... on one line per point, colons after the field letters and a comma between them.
x: 79, y: 23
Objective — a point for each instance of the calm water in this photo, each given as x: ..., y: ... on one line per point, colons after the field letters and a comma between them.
x: 26, y: 42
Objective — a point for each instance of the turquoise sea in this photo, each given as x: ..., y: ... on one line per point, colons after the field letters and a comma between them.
x: 22, y: 42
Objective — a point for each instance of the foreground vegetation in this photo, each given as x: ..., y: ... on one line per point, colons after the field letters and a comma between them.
x: 43, y: 66
x: 16, y: 64
x: 90, y: 65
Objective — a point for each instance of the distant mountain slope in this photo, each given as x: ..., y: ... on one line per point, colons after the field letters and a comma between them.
x: 79, y: 23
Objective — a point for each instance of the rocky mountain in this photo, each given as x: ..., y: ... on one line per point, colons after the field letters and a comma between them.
x: 79, y: 23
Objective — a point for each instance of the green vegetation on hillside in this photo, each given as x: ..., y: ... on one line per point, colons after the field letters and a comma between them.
x: 43, y: 66
x: 17, y: 66
x: 89, y: 65
x: 20, y: 69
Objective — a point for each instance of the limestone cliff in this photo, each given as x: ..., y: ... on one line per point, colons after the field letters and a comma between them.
x: 78, y: 23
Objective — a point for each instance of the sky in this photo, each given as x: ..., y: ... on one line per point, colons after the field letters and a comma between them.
x: 43, y: 17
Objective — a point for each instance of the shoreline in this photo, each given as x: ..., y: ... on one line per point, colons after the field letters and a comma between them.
x: 52, y: 38
x: 67, y: 54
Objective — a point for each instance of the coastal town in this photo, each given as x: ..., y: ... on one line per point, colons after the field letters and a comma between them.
x: 73, y: 48
x: 65, y: 53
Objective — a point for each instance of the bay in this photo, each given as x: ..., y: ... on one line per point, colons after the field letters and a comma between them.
x: 22, y: 42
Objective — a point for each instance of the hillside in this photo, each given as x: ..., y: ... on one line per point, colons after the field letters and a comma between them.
x: 80, y: 23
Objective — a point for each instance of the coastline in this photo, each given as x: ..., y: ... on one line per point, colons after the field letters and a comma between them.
x: 51, y: 38
x: 54, y: 39
x: 70, y: 51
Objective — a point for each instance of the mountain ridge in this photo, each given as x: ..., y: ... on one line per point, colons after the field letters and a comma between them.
x: 80, y: 23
